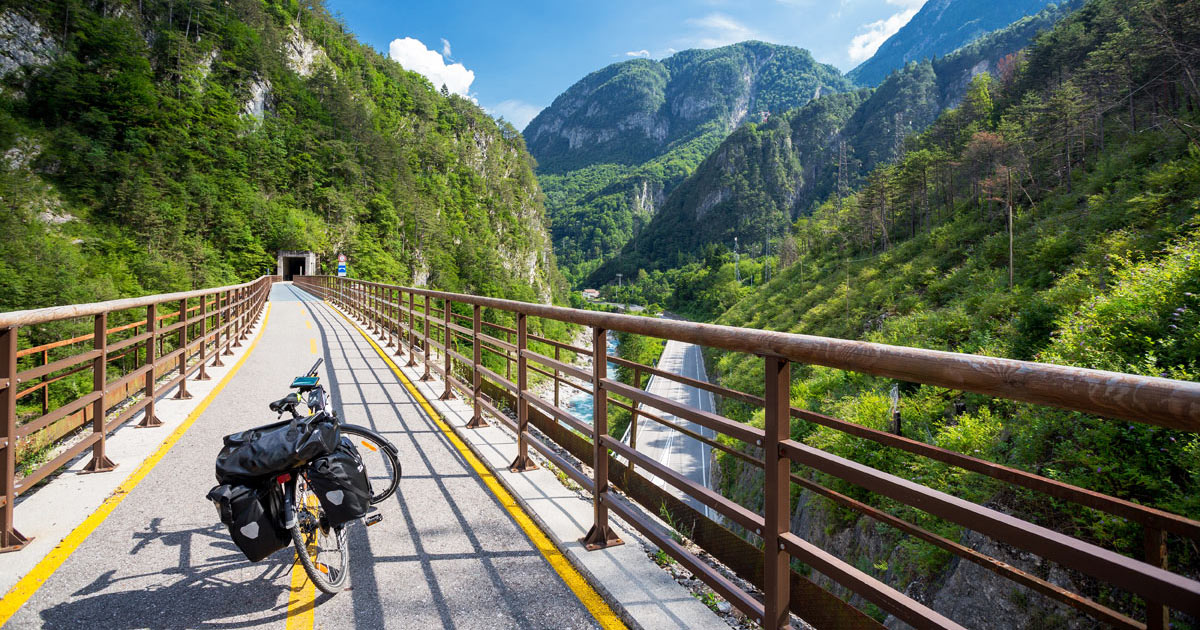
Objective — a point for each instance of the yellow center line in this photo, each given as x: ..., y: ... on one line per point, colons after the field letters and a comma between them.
x: 587, y: 595
x: 312, y: 345
x: 308, y: 324
x: 302, y: 601
x: 28, y: 585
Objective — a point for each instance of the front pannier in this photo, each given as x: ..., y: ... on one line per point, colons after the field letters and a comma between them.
x: 340, y: 483
x: 251, y: 455
x: 252, y: 516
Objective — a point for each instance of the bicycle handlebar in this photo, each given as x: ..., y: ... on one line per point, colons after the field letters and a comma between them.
x: 313, y: 370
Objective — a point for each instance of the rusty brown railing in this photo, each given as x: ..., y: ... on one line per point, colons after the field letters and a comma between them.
x: 393, y: 313
x: 146, y: 351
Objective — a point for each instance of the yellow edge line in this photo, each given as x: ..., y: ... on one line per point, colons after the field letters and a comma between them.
x: 28, y: 585
x: 587, y: 595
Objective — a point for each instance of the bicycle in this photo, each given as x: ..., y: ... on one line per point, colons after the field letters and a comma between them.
x: 321, y: 548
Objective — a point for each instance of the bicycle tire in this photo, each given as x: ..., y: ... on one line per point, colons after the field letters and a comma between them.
x: 316, y: 544
x: 379, y: 459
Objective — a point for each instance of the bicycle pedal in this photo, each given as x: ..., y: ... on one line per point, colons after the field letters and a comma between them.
x: 372, y: 519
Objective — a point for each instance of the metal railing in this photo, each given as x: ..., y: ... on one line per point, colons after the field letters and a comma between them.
x: 177, y: 333
x: 394, y: 313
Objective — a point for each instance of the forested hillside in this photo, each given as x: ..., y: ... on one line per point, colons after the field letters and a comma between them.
x: 765, y: 176
x: 939, y: 28
x: 1091, y: 144
x: 154, y: 145
x: 614, y: 145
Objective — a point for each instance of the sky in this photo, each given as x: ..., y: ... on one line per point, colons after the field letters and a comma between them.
x: 513, y: 58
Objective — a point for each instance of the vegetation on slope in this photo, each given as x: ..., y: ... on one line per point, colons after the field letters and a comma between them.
x: 940, y: 27
x: 611, y: 147
x: 1097, y: 131
x: 763, y: 177
x: 137, y: 165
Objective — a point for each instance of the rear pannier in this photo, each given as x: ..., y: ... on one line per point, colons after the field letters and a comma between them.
x: 252, y: 514
x: 340, y: 483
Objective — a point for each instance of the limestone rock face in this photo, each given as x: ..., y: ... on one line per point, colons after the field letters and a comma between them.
x: 23, y: 44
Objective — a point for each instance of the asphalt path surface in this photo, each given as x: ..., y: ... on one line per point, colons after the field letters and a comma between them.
x: 679, y: 452
x: 447, y: 554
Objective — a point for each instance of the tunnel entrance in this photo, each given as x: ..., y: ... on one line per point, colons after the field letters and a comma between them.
x: 293, y: 266
x: 290, y: 264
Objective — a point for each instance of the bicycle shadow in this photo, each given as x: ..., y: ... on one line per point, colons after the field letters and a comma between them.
x: 209, y: 593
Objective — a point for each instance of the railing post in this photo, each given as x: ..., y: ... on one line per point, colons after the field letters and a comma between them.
x: 148, y: 417
x: 412, y: 330
x: 373, y: 307
x: 244, y: 328
x: 447, y: 337
x: 523, y: 462
x: 600, y: 535
x: 777, y: 495
x: 202, y: 375
x: 182, y: 393
x: 228, y: 325
x: 1158, y: 617
x: 45, y: 387
x: 389, y: 328
x: 476, y: 358
x: 100, y: 462
x: 428, y: 354
x: 397, y: 333
x: 633, y: 416
x: 237, y: 310
x: 10, y: 538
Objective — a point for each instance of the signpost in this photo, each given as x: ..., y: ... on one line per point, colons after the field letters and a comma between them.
x: 342, y: 265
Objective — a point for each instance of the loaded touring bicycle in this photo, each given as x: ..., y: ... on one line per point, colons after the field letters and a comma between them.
x: 304, y: 480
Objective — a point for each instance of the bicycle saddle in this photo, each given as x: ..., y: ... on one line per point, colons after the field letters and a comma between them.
x: 286, y: 403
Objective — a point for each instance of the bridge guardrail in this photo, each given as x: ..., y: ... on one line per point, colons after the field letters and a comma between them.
x: 39, y: 350
x: 392, y: 312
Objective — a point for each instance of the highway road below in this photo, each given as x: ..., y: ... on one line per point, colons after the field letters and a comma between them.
x: 673, y: 449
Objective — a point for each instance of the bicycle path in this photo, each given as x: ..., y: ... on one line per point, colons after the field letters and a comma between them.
x: 447, y: 554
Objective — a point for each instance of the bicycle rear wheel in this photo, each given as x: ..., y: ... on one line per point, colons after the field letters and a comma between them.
x: 323, y: 551
x: 379, y: 459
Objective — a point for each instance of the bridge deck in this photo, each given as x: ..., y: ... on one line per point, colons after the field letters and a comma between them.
x: 447, y: 553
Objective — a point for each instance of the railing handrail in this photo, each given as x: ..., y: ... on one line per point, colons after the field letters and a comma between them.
x: 53, y: 313
x: 1148, y: 399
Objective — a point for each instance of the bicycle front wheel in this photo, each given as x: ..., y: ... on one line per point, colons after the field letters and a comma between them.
x: 323, y: 551
x: 379, y: 460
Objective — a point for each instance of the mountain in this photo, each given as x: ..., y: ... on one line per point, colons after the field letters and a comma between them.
x: 763, y: 177
x: 154, y: 146
x: 612, y: 146
x: 1105, y: 274
x: 941, y: 27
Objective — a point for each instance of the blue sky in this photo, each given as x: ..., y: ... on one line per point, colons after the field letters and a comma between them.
x: 513, y: 58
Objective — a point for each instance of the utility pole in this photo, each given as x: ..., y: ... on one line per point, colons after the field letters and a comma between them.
x: 737, y: 269
x: 1010, y: 234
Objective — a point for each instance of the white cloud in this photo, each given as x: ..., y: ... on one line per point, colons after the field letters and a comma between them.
x: 517, y: 112
x: 638, y: 53
x: 863, y: 45
x: 446, y: 48
x: 718, y: 29
x: 413, y: 55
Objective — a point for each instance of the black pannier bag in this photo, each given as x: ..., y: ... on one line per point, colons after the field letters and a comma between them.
x: 250, y: 455
x: 252, y: 516
x: 340, y: 482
